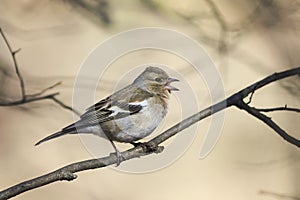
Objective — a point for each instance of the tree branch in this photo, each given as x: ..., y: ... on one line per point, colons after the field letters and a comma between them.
x: 13, y: 54
x: 68, y: 172
x: 285, y: 108
x: 45, y: 90
x: 31, y: 97
x: 267, y: 120
x: 64, y: 105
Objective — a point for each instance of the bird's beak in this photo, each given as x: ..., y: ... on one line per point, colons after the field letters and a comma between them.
x: 170, y: 87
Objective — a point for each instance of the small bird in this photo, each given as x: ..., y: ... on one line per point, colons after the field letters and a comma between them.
x: 129, y: 114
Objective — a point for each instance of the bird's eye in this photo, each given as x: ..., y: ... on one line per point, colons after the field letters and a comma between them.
x: 158, y: 80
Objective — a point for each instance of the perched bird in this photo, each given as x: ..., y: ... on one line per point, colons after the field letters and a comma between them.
x: 129, y: 114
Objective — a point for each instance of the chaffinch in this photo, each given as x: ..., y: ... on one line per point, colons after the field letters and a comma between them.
x: 129, y: 114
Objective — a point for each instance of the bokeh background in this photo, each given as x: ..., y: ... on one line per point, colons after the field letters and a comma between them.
x: 247, y: 40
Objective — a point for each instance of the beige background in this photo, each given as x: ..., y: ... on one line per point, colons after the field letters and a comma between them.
x: 55, y: 38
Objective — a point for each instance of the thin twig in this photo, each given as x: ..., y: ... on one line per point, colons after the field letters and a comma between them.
x: 285, y: 108
x: 68, y: 172
x: 251, y: 96
x: 29, y: 100
x: 13, y: 53
x: 38, y: 98
x: 222, y: 42
x: 45, y: 90
x: 267, y: 120
x: 31, y: 97
x: 65, y: 106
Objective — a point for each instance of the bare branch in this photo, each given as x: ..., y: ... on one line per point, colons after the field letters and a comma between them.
x: 13, y: 53
x: 65, y: 106
x: 269, y: 79
x: 250, y: 98
x: 28, y: 98
x: 267, y: 120
x: 45, y: 90
x: 68, y: 172
x: 39, y: 98
x: 285, y: 108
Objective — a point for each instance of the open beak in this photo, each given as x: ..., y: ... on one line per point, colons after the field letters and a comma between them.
x: 170, y: 87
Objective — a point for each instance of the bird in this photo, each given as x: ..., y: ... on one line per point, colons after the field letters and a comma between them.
x: 129, y: 114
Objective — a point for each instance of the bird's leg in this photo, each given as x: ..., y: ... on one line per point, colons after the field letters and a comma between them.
x: 119, y: 155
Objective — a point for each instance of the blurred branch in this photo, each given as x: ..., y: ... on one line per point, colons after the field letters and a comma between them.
x: 45, y: 90
x: 28, y: 98
x: 277, y: 195
x: 65, y: 106
x: 99, y: 8
x: 222, y: 41
x: 292, y: 86
x: 68, y: 172
x: 228, y: 35
x: 13, y: 54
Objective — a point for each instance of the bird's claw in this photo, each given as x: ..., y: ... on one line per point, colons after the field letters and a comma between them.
x: 148, y: 148
x: 120, y: 158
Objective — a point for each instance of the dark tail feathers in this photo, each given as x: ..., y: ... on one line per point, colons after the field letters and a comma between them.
x: 57, y: 134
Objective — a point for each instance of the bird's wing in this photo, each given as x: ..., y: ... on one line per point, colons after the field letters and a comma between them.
x: 119, y: 105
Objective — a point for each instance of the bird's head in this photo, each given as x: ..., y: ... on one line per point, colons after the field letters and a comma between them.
x: 156, y: 81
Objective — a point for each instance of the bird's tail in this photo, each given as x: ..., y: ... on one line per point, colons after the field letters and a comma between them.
x: 57, y: 134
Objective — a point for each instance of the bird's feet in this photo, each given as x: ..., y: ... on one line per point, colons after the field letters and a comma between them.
x: 148, y: 148
x: 120, y: 157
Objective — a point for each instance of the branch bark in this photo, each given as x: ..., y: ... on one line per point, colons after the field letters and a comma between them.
x: 67, y: 173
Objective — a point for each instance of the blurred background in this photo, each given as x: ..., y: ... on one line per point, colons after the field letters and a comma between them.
x: 247, y: 40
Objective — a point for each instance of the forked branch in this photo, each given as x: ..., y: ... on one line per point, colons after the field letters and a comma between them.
x: 28, y: 98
